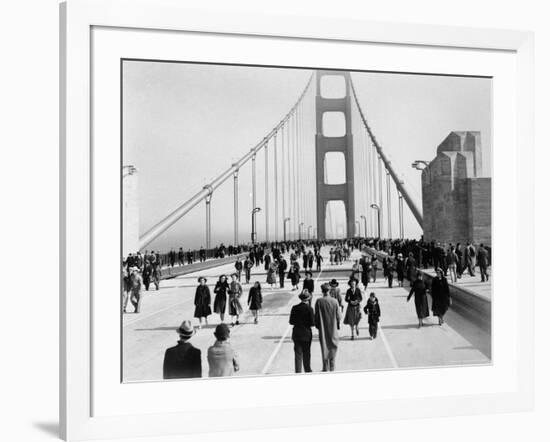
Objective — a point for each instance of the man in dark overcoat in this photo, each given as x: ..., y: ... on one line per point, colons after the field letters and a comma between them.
x: 302, y: 318
x: 483, y: 262
x: 183, y: 360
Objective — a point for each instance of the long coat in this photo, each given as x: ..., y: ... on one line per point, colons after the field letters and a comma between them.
x: 372, y: 309
x: 255, y: 298
x: 202, y: 301
x: 235, y: 292
x: 353, y: 311
x: 182, y: 361
x: 327, y: 321
x: 220, y: 300
x: 302, y: 318
x: 271, y: 273
x: 418, y: 289
x: 440, y: 296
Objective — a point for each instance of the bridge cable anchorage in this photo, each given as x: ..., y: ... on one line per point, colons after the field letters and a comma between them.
x: 397, y: 181
x: 169, y: 220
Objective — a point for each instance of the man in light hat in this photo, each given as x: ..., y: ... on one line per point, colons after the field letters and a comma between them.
x: 222, y: 359
x: 183, y: 360
x: 302, y: 318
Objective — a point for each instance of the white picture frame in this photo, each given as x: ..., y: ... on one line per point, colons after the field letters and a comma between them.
x: 78, y: 379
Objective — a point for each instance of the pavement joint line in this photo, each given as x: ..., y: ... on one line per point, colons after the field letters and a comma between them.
x: 283, y: 338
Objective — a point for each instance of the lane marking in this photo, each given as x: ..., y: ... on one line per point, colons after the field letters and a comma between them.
x: 388, y: 348
x: 283, y: 337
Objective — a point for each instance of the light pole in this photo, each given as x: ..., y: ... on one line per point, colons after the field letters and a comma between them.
x: 357, y: 228
x: 364, y: 218
x: 309, y: 232
x: 300, y: 231
x: 420, y: 164
x: 377, y: 208
x: 253, y: 234
x: 284, y: 227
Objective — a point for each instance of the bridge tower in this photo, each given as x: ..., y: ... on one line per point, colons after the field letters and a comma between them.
x: 340, y: 109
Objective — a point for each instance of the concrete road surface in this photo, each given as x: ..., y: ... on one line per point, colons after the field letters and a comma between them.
x: 266, y: 347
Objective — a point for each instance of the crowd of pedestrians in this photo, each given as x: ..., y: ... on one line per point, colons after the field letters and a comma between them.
x: 401, y: 261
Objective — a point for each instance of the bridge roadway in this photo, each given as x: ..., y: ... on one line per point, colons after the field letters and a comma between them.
x: 266, y: 348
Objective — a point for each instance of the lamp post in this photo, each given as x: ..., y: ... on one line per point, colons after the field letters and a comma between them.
x: 364, y: 218
x: 309, y: 232
x: 377, y: 208
x: 284, y: 227
x: 420, y: 164
x: 253, y: 233
x: 300, y: 231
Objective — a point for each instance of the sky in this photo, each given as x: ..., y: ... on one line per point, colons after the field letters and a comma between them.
x: 183, y: 124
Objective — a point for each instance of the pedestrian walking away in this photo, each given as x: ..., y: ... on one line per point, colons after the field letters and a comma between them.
x: 302, y: 319
x: 327, y: 322
x: 222, y: 358
x: 183, y: 360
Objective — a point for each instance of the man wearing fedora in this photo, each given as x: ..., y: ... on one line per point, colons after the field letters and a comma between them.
x: 302, y: 318
x: 222, y: 359
x: 183, y: 360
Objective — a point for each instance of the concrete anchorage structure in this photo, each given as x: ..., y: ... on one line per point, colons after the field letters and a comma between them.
x: 343, y: 144
x: 130, y: 211
x: 456, y: 197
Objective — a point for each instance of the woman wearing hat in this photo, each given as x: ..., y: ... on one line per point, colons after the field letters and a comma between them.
x: 235, y: 292
x: 220, y: 300
x: 255, y: 300
x: 353, y: 311
x: 309, y: 283
x: 202, y: 301
x: 271, y: 272
x: 294, y: 274
x: 419, y: 290
x: 441, y: 299
x: 222, y: 359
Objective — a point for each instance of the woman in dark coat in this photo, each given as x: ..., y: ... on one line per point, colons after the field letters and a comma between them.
x: 419, y: 289
x: 202, y: 301
x: 441, y: 299
x: 255, y: 300
x: 220, y: 300
x: 353, y: 311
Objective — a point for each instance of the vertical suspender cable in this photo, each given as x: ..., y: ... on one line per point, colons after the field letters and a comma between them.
x: 276, y: 186
x: 266, y: 208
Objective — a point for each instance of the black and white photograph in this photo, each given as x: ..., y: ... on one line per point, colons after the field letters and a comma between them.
x: 281, y: 220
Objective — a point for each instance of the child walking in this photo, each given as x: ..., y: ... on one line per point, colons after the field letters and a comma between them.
x: 372, y: 310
